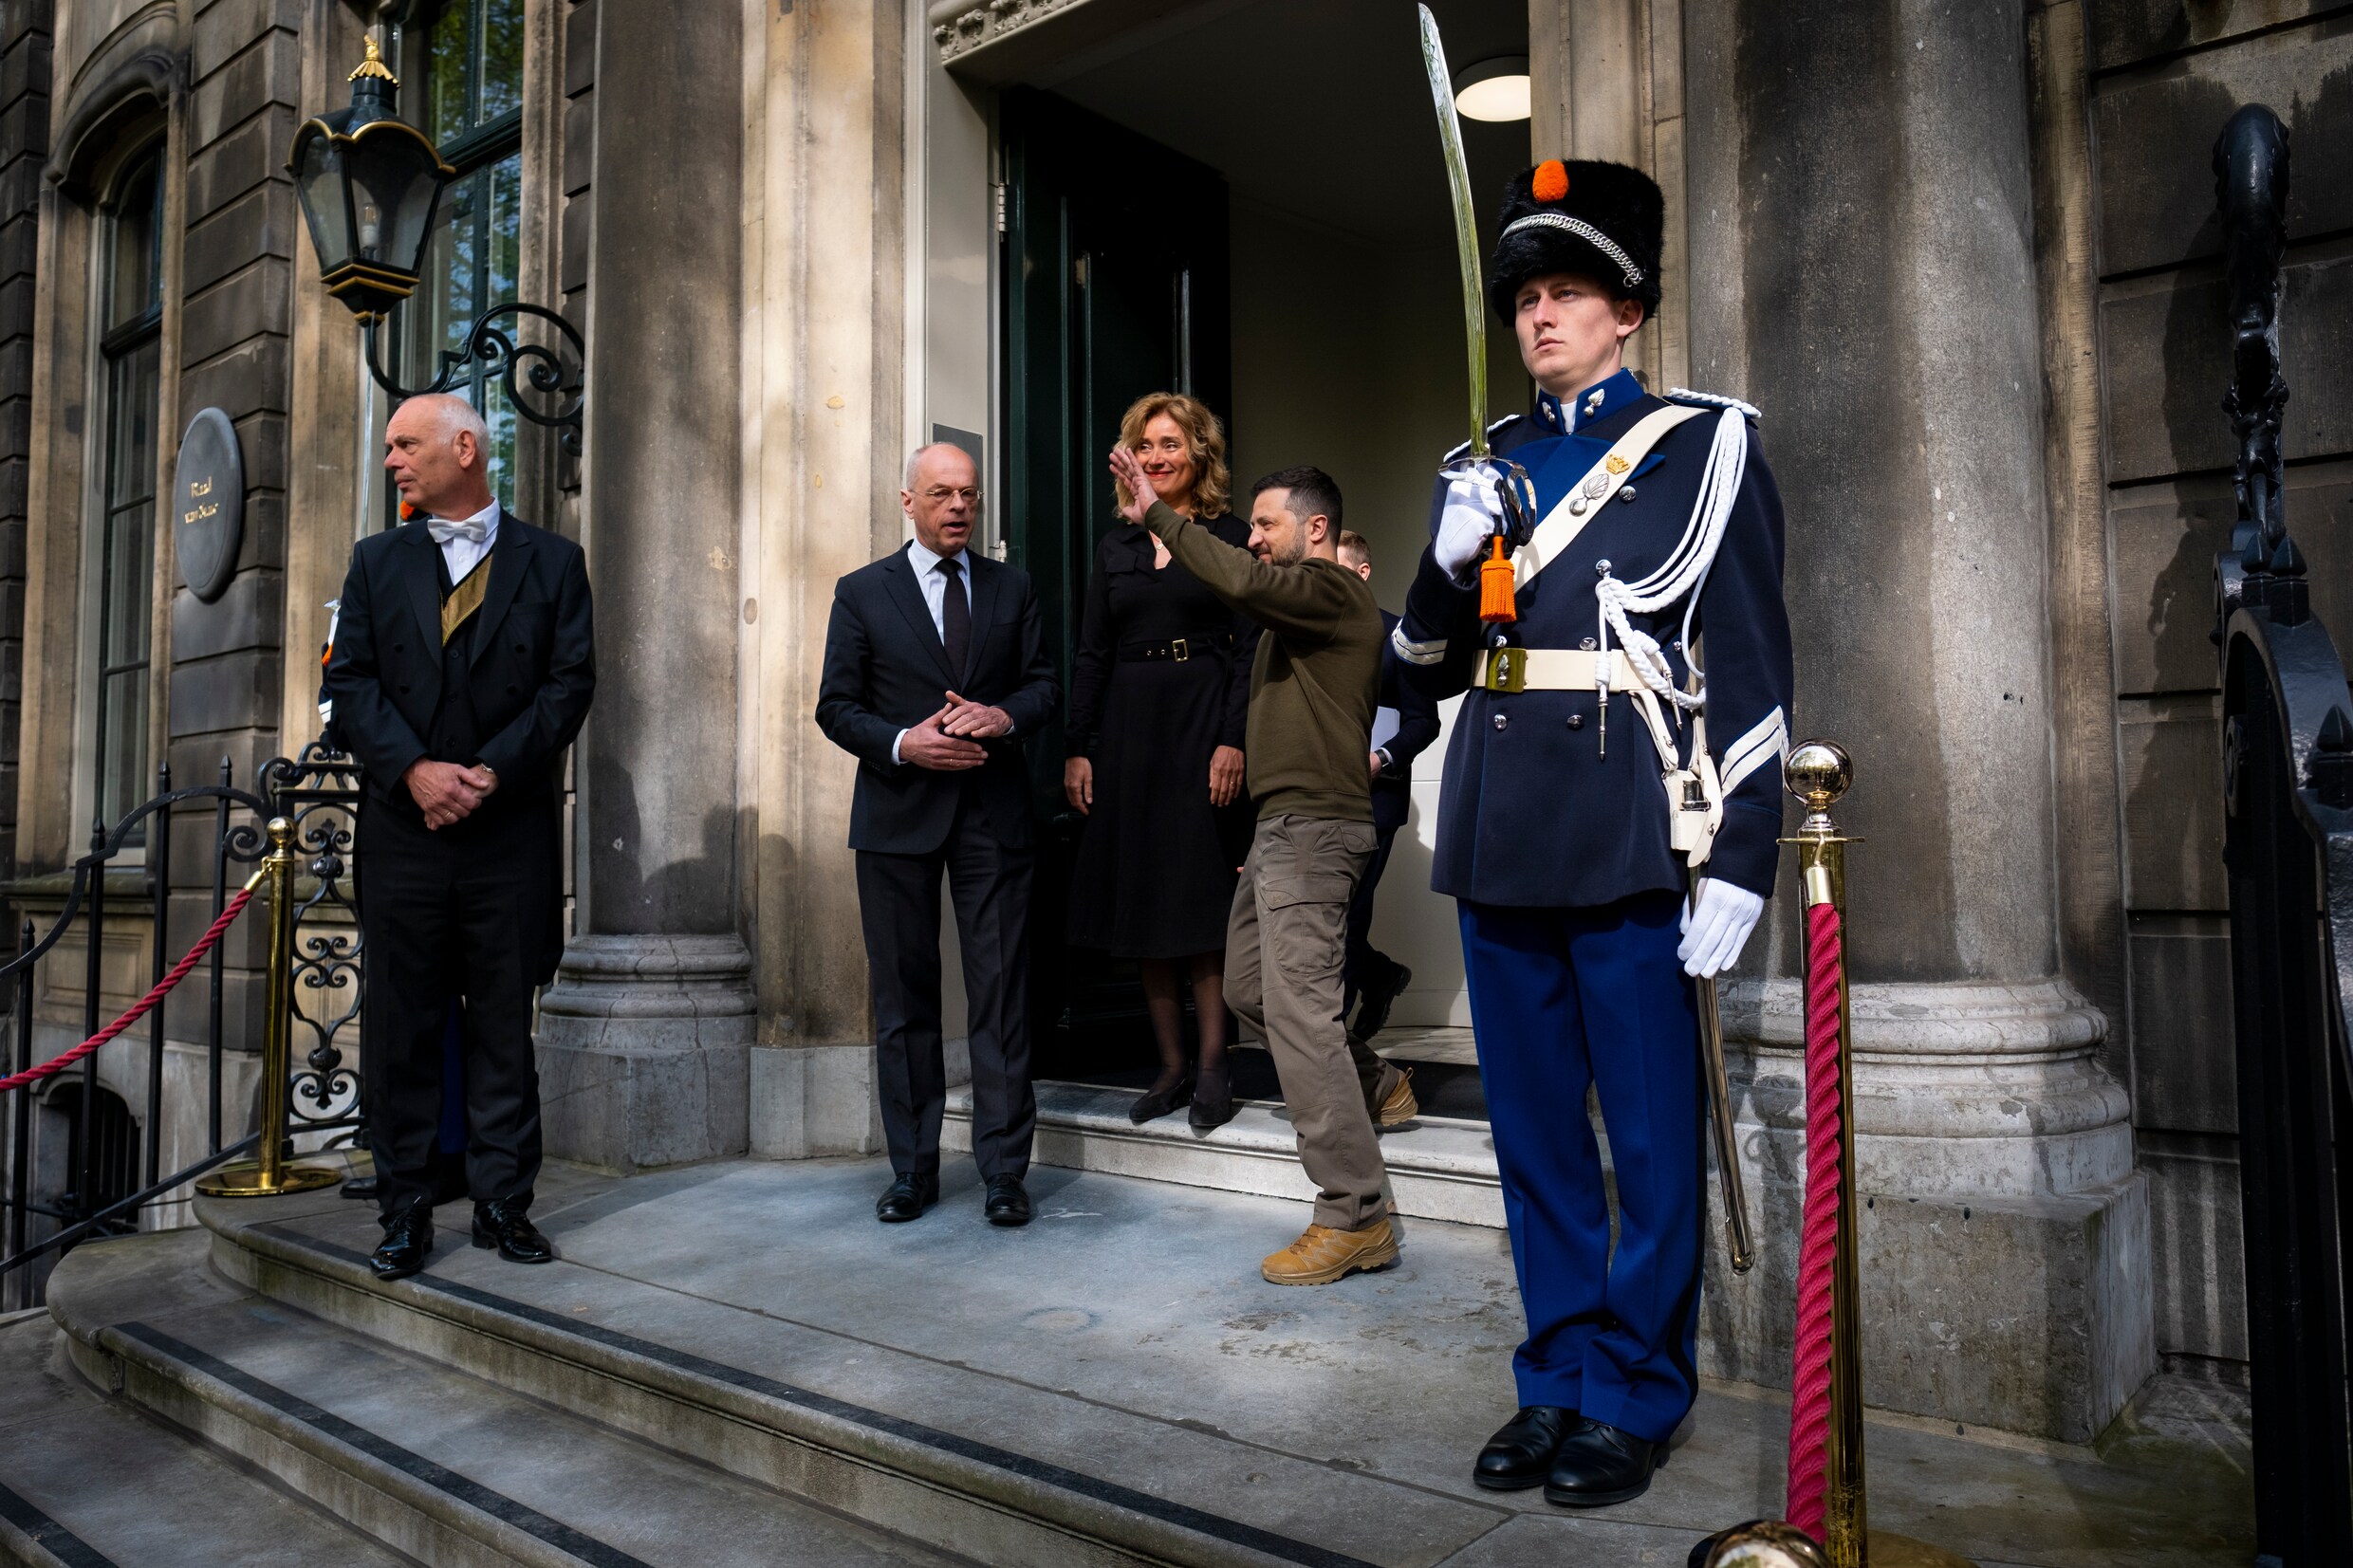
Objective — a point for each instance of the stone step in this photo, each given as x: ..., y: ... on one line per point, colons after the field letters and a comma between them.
x: 442, y: 1466
x: 1439, y: 1169
x: 87, y: 1480
x: 994, y: 1470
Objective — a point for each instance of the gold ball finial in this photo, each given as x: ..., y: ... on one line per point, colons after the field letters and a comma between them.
x: 374, y: 66
x: 1766, y: 1543
x: 1818, y: 773
x: 281, y: 833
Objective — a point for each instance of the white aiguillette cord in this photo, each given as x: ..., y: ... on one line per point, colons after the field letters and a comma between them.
x: 1684, y: 574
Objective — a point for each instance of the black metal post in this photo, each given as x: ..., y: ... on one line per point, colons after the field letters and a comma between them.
x: 220, y: 902
x: 20, y: 1175
x: 159, y: 879
x: 95, y: 928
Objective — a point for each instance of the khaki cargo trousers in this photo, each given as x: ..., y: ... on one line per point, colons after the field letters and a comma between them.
x: 1284, y: 943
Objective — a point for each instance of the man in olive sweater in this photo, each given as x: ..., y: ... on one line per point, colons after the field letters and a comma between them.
x: 1309, y: 731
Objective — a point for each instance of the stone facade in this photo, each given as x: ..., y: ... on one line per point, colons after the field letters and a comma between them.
x: 1960, y: 256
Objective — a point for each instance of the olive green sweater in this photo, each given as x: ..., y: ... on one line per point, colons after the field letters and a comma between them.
x: 1319, y: 666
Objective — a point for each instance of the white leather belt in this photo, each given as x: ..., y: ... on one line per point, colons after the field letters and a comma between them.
x: 1550, y: 670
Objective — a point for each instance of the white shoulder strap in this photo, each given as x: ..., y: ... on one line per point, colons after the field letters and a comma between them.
x: 1567, y: 520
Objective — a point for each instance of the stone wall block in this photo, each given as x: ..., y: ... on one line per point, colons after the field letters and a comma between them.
x: 812, y: 1101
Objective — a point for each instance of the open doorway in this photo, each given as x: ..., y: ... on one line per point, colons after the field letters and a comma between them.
x: 1246, y: 201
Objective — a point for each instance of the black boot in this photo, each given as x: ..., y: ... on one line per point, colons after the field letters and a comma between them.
x: 1155, y: 1103
x: 1601, y: 1465
x: 1520, y: 1454
x: 1212, y: 1100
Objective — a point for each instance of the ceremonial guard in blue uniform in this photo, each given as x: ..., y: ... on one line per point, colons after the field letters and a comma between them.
x: 1619, y: 743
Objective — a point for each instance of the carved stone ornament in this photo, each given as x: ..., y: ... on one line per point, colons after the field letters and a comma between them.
x: 959, y: 26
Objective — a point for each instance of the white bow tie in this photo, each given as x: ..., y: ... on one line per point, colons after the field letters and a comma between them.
x: 474, y: 530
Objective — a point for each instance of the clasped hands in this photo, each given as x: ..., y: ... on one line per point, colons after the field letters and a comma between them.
x: 448, y: 792
x: 949, y: 741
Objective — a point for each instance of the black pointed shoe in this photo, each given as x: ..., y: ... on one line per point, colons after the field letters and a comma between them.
x: 509, y: 1227
x: 906, y: 1199
x: 1008, y: 1202
x: 1155, y: 1103
x: 1213, y: 1102
x: 1601, y: 1465
x: 1520, y: 1454
x: 408, y: 1242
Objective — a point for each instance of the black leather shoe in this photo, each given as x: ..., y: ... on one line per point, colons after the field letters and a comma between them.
x: 1600, y: 1464
x: 508, y: 1227
x: 1008, y: 1202
x: 1155, y: 1103
x: 1520, y: 1454
x: 1213, y: 1102
x: 408, y: 1240
x: 906, y: 1199
x: 1380, y: 996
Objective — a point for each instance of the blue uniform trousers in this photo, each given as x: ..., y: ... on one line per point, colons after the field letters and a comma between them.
x: 1561, y: 999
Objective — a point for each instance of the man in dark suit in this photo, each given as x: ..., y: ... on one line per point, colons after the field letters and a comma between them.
x: 1404, y: 723
x: 942, y: 785
x: 463, y: 664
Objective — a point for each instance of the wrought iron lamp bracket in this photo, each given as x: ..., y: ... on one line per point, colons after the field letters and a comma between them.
x: 511, y: 362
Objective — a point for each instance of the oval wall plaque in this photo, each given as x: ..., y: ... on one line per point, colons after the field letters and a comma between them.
x: 208, y: 504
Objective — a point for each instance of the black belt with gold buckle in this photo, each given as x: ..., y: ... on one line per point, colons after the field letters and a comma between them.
x: 1178, y: 649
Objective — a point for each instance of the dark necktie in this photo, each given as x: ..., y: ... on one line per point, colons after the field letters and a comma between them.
x: 955, y: 615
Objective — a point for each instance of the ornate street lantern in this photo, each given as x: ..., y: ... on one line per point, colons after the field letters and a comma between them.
x: 369, y: 182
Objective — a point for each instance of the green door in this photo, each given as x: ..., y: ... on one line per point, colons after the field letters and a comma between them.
x: 1102, y: 305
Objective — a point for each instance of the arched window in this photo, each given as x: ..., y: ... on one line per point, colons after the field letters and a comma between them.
x: 130, y: 300
x: 469, y: 61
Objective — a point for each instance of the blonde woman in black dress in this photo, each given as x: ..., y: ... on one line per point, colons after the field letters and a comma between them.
x: 1159, y: 692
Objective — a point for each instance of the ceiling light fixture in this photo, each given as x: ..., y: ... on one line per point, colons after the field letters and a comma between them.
x: 1494, y: 89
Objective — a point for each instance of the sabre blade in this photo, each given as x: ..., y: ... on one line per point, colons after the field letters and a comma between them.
x: 1466, y: 224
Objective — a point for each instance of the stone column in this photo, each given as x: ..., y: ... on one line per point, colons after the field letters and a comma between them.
x: 1863, y: 269
x: 644, y: 1037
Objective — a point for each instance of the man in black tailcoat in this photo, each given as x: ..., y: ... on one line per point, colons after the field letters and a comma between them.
x: 463, y: 664
x: 936, y: 673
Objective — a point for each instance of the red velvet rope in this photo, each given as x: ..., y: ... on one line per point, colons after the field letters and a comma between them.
x: 1809, y: 1410
x: 138, y: 1008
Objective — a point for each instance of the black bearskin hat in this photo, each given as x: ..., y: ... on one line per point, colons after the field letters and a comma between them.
x: 1600, y: 220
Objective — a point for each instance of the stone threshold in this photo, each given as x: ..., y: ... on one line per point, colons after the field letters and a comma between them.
x: 1440, y: 1168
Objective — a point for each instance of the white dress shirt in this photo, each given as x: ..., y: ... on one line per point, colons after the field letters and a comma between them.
x: 464, y: 555
x: 935, y: 586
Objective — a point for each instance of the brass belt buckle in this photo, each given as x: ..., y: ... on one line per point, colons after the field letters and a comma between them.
x: 1506, y: 669
x: 1180, y: 650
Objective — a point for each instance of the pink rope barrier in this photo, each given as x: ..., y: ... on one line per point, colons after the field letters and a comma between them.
x: 139, y: 1008
x: 1810, y: 1409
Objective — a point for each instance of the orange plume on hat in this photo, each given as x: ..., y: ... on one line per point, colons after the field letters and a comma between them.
x: 1551, y: 180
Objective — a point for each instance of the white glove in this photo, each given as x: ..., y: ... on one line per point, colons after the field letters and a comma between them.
x: 1718, y: 927
x: 1474, y: 507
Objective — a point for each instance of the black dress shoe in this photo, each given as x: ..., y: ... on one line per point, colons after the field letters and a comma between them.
x: 1213, y: 1102
x: 1520, y: 1454
x: 1155, y: 1103
x: 1008, y: 1202
x: 1600, y: 1464
x: 408, y: 1240
x: 509, y: 1227
x: 1380, y: 996
x: 906, y: 1199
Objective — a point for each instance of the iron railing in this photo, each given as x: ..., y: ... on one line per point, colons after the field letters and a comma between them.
x: 53, y: 1199
x: 2287, y: 783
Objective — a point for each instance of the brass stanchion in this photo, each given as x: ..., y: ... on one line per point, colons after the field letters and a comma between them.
x: 1819, y: 773
x: 269, y: 1175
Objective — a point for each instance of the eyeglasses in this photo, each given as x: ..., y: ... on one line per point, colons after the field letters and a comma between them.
x: 939, y: 493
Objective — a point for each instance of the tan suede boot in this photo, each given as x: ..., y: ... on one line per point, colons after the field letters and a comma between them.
x: 1397, y: 1106
x: 1322, y: 1255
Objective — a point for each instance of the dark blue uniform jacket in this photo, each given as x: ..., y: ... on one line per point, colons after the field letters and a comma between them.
x: 1531, y: 813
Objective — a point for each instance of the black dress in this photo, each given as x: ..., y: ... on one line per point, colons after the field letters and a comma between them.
x: 1156, y: 864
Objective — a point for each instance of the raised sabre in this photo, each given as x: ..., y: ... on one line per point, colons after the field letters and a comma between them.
x: 1518, y: 492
